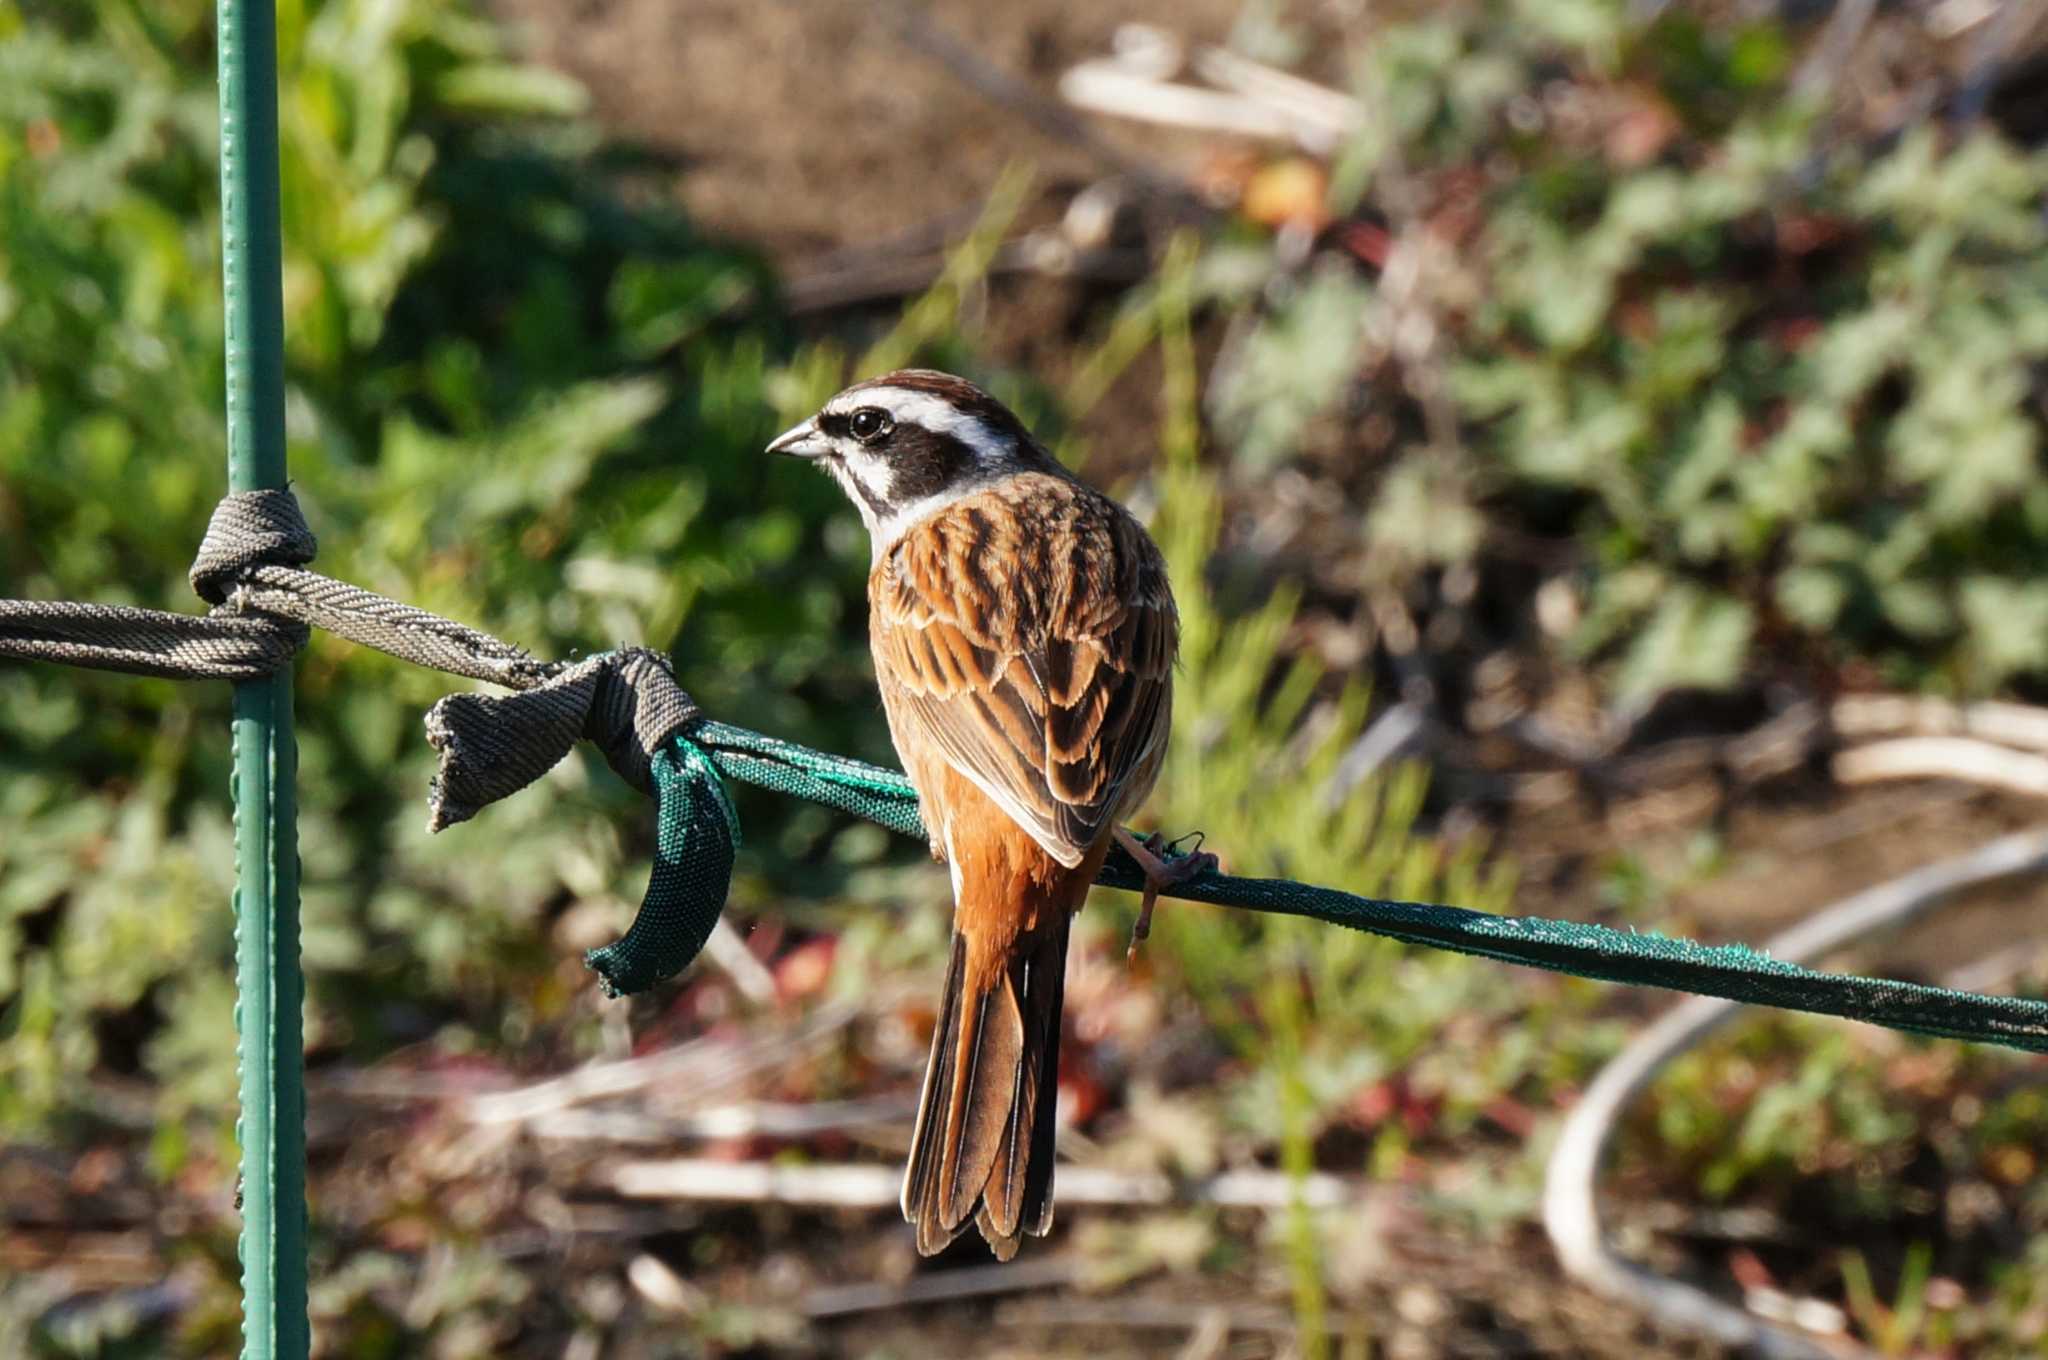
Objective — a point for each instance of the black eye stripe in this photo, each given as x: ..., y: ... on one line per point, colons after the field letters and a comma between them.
x: 923, y: 463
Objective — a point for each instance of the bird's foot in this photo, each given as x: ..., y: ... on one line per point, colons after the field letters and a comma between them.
x: 1161, y: 872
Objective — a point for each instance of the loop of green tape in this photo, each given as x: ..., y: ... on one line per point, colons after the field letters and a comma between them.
x: 696, y: 838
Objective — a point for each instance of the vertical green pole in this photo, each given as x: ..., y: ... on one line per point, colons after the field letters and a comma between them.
x: 272, y: 1128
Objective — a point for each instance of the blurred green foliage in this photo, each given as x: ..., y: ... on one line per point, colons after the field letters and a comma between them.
x: 1774, y: 384
x: 1772, y: 399
x: 514, y: 400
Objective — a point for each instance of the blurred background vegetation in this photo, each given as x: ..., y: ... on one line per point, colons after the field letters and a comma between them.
x: 1606, y: 386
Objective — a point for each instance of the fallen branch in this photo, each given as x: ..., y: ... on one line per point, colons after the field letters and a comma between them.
x: 1252, y: 98
x: 915, y: 28
x: 1988, y: 53
x: 1109, y: 87
x: 1966, y: 758
x: 761, y: 1119
x: 1331, y: 114
x: 1863, y: 716
x: 1821, y: 72
x: 1157, y: 1315
x: 1570, y: 1208
x: 725, y: 948
x: 1210, y: 1335
x: 866, y: 1186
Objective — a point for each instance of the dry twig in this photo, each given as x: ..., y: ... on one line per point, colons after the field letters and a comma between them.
x: 1861, y: 716
x: 1162, y: 1315
x: 1108, y: 87
x: 760, y: 1119
x: 726, y: 949
x: 866, y: 1186
x: 1254, y: 99
x: 1978, y: 762
x: 918, y: 31
x: 968, y: 1282
x: 1987, y: 57
x: 1317, y: 110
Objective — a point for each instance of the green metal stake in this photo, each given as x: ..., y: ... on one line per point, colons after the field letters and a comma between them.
x: 272, y: 1128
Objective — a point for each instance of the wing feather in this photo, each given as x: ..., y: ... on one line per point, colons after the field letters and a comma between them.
x: 1027, y: 634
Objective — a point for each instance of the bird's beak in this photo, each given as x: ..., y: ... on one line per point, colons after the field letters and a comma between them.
x: 802, y: 441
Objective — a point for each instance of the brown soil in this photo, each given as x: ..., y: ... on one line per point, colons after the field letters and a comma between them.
x: 803, y: 127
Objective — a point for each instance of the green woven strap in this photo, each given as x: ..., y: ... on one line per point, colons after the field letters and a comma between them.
x: 696, y: 836
x: 870, y: 791
x: 699, y: 833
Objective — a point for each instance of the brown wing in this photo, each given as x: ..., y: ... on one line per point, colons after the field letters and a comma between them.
x: 1028, y: 634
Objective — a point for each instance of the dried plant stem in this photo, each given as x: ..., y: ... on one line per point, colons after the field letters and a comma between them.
x: 1966, y: 758
x: 867, y: 1186
x: 1886, y: 715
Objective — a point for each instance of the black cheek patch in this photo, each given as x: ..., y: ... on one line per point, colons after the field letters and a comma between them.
x: 922, y: 463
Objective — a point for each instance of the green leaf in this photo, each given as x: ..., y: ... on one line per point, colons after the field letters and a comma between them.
x: 1693, y: 638
x: 512, y: 89
x: 1292, y: 368
x: 2006, y: 622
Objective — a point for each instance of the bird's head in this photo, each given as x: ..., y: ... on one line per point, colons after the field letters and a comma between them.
x: 908, y: 443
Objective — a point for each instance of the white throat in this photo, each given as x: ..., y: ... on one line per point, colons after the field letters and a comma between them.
x: 885, y: 531
x: 867, y: 481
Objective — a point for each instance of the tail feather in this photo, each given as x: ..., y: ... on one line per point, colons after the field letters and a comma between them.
x: 1036, y: 1209
x: 985, y: 1065
x: 982, y: 1148
x: 921, y: 1176
x: 1019, y: 1192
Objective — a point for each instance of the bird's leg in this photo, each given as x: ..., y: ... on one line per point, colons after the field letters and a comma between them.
x: 1159, y: 873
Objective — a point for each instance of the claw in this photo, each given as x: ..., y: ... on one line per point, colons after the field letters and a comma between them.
x: 1160, y: 873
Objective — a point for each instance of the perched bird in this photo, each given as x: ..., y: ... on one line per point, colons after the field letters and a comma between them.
x: 1024, y: 638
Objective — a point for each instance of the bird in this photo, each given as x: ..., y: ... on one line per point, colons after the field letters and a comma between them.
x: 1024, y: 637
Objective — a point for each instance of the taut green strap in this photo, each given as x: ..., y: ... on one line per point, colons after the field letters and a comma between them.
x: 689, y: 825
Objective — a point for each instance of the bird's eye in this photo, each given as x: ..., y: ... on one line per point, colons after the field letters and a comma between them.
x: 870, y: 424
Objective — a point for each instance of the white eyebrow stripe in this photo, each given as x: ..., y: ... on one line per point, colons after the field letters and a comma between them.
x: 911, y: 407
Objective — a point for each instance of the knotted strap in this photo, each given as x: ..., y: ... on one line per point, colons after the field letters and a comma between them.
x: 252, y: 568
x: 492, y: 746
x: 250, y: 530
x: 629, y: 704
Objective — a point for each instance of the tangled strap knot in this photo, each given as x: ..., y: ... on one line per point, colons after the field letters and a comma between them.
x: 250, y: 529
x: 629, y: 704
x: 252, y: 568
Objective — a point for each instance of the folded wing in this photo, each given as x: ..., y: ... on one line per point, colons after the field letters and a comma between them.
x: 1028, y: 635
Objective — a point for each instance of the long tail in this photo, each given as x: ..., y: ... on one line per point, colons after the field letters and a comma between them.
x: 983, y: 1145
